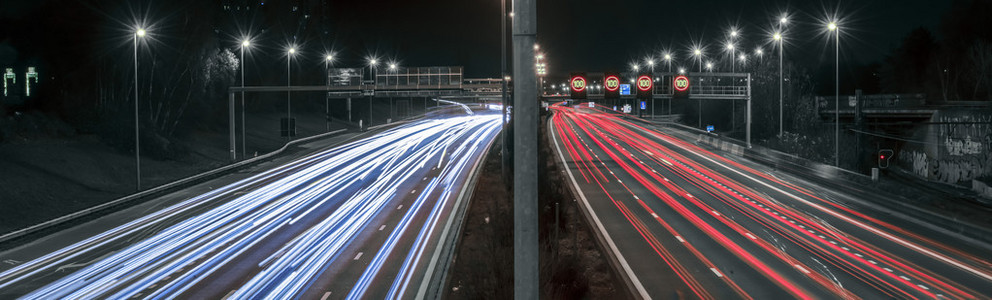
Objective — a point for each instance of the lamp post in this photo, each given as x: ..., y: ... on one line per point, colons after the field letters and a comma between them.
x: 137, y: 139
x: 668, y: 60
x: 833, y: 28
x: 699, y: 57
x: 289, y: 95
x: 327, y: 105
x: 392, y: 107
x: 733, y: 54
x: 372, y: 63
x: 244, y: 44
x: 502, y: 40
x: 781, y: 53
x: 778, y: 39
x: 733, y: 38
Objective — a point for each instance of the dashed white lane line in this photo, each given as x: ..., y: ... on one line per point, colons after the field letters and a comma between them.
x: 680, y: 239
x: 358, y: 256
x: 801, y: 269
x: 887, y: 269
x: 751, y: 236
x: 399, y: 207
x: 382, y: 227
x: 923, y: 287
x: 716, y: 272
x: 413, y: 191
x: 904, y: 277
x: 655, y: 215
x: 715, y: 213
x: 326, y: 295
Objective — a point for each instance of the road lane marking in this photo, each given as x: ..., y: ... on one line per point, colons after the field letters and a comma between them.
x: 413, y: 191
x: 382, y: 227
x: 326, y: 295
x: 680, y: 239
x: 717, y: 272
x: 399, y: 207
x: 358, y: 256
x: 751, y: 236
x: 801, y: 268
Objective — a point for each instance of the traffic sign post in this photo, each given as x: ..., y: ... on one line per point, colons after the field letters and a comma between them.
x: 611, y: 85
x: 577, y: 83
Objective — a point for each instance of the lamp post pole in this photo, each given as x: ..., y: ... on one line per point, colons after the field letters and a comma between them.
x: 244, y: 44
x: 289, y: 95
x: 836, y: 95
x: 137, y: 138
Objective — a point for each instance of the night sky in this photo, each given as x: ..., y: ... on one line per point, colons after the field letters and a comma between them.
x: 597, y: 35
x: 576, y: 35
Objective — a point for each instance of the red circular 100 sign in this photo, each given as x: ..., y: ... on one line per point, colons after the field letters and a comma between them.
x: 612, y: 83
x: 681, y: 83
x: 644, y: 83
x: 578, y: 83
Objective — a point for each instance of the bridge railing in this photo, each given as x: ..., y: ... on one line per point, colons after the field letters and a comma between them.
x: 872, y: 101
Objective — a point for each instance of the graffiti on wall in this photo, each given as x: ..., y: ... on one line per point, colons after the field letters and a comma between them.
x: 947, y: 170
x: 964, y: 135
x: 963, y: 150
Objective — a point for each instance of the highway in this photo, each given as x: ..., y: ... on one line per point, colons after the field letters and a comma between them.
x: 684, y: 222
x: 360, y: 220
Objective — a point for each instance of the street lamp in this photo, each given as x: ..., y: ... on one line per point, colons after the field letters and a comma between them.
x: 668, y: 60
x: 781, y: 96
x: 709, y: 66
x: 244, y: 45
x: 373, y: 62
x: 140, y: 33
x: 289, y: 95
x: 327, y: 105
x: 832, y: 26
x: 699, y: 57
x: 730, y: 47
x: 733, y: 38
x: 651, y: 64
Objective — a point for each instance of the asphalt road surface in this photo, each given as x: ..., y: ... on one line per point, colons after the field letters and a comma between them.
x: 361, y: 220
x: 685, y: 222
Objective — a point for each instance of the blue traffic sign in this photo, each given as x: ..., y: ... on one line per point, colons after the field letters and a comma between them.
x: 625, y: 89
x: 709, y: 128
x: 644, y: 105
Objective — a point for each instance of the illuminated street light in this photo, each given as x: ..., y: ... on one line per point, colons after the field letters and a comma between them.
x: 289, y: 95
x: 681, y: 70
x: 699, y: 57
x: 832, y: 26
x: 668, y: 60
x: 327, y: 105
x: 244, y: 45
x: 759, y: 52
x: 709, y: 66
x: 140, y: 33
